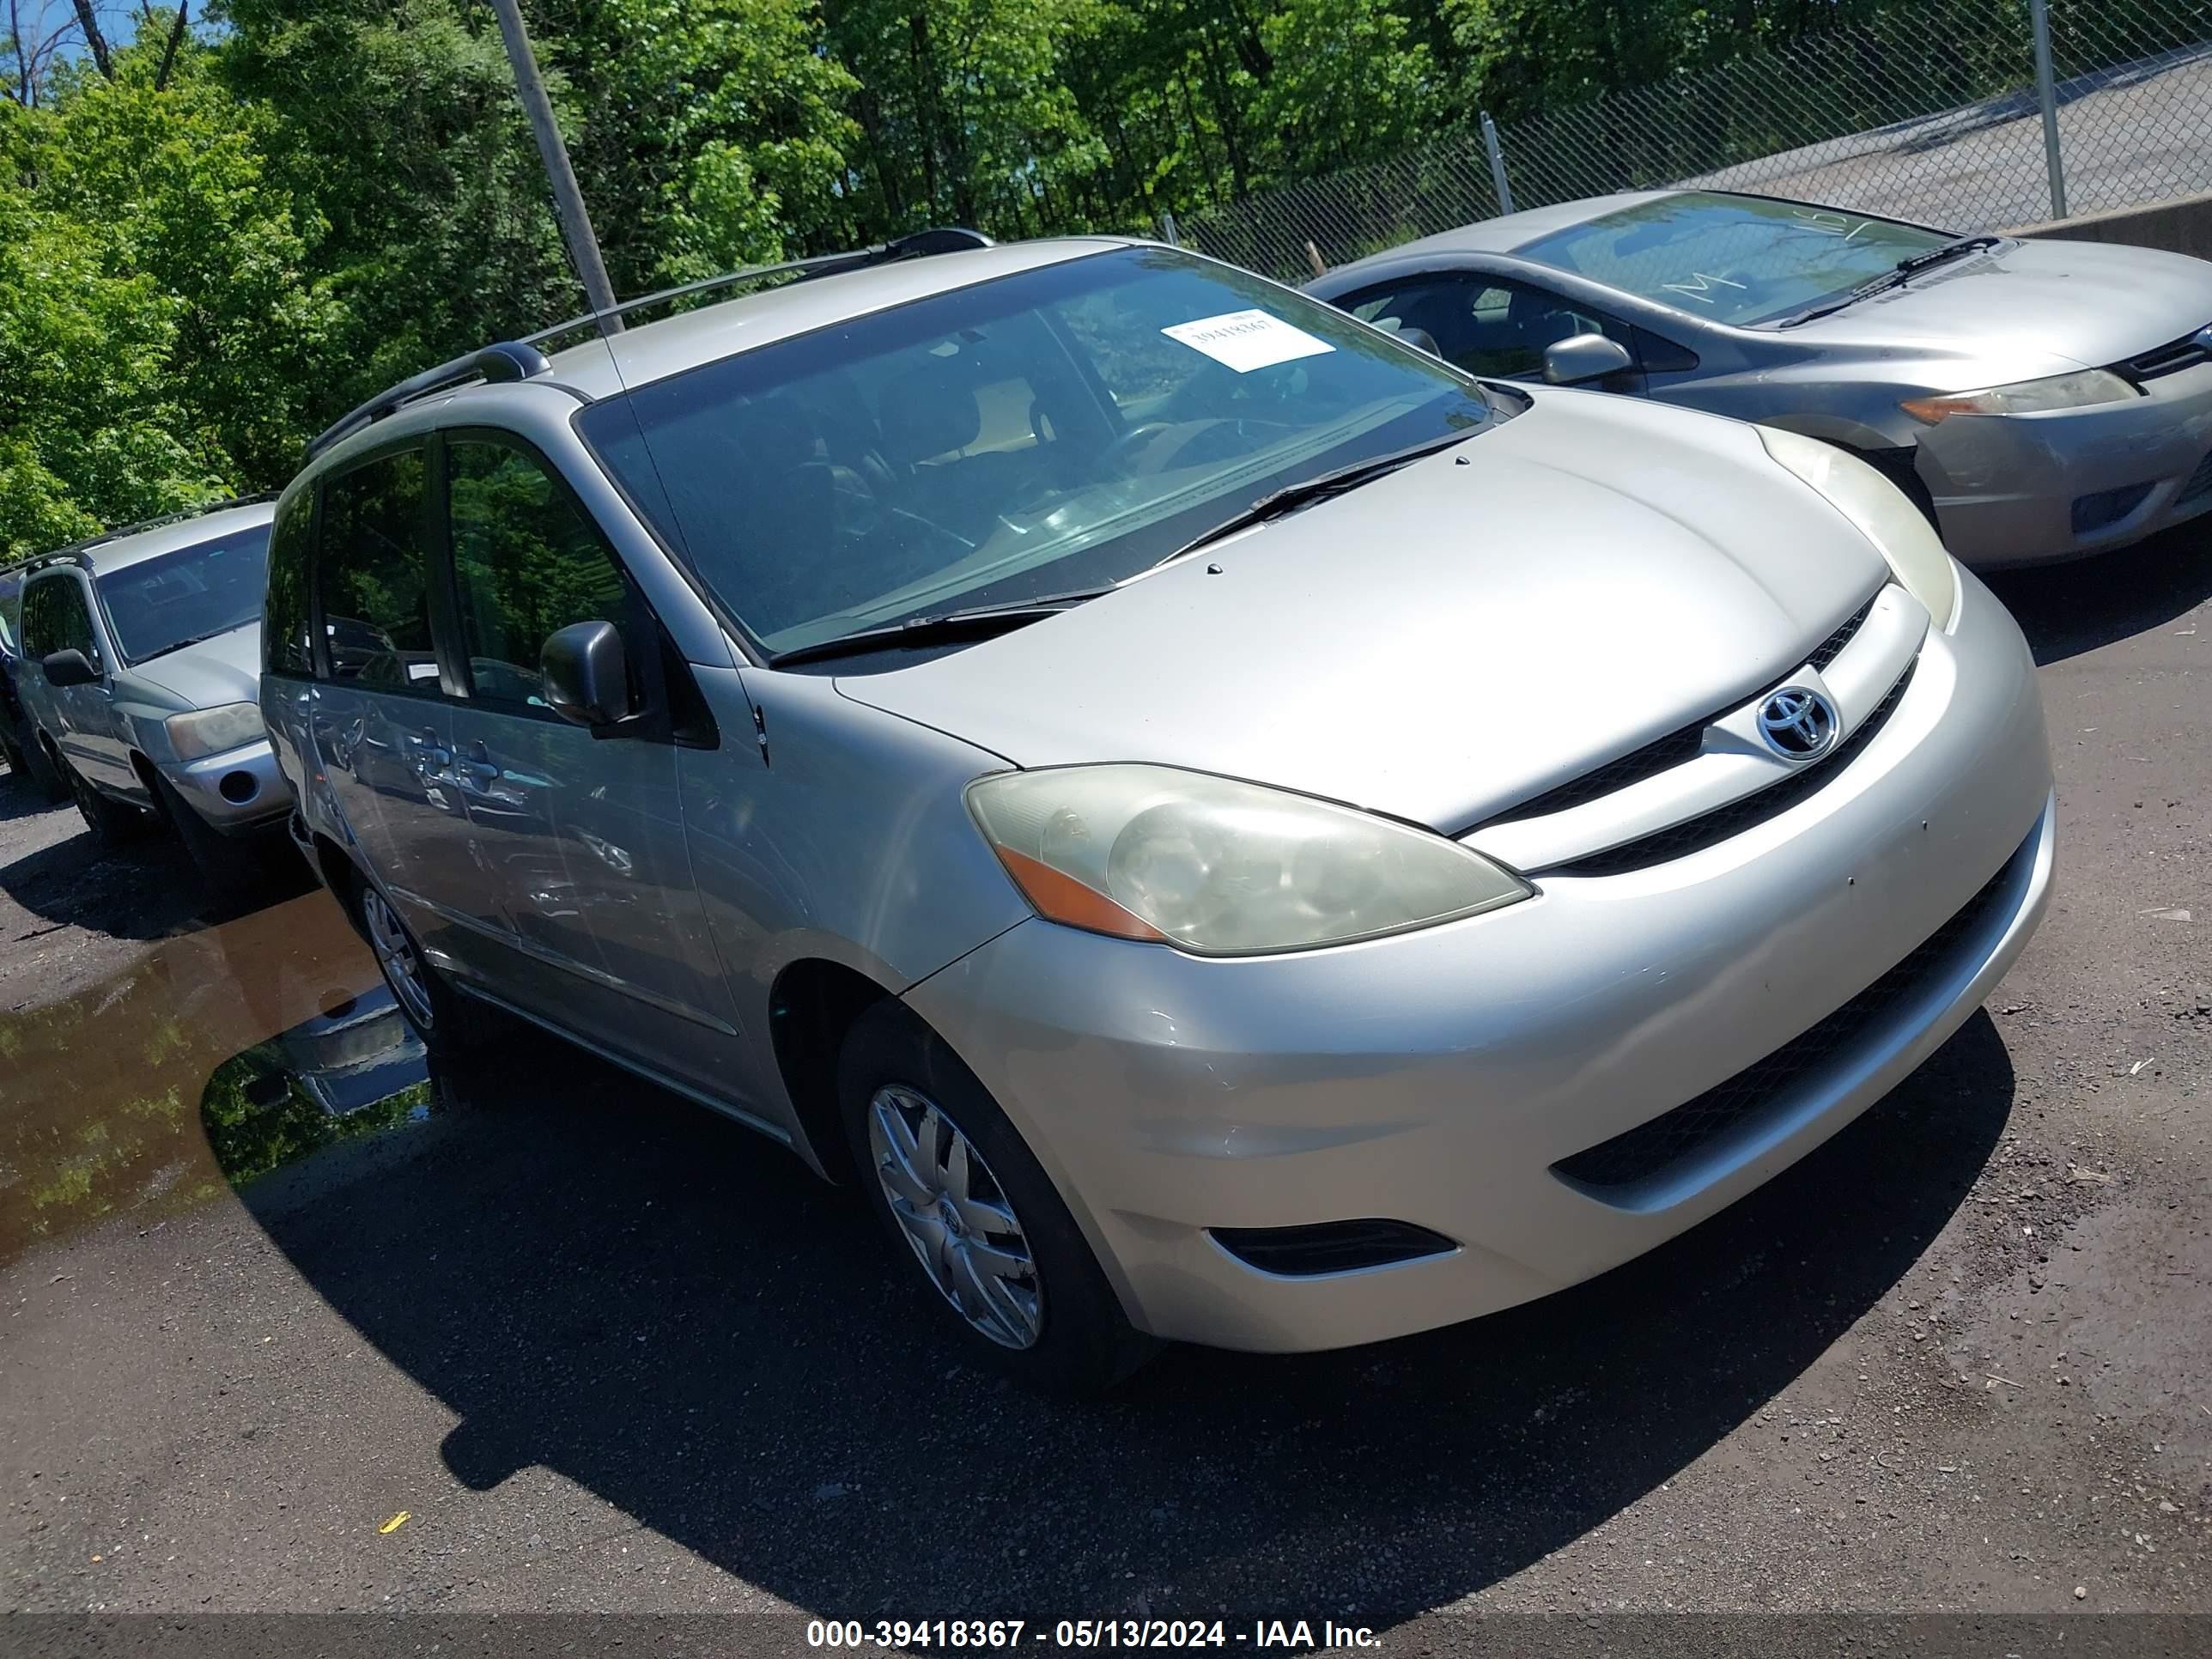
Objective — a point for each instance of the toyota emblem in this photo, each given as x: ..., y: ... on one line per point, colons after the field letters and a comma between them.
x: 1798, y: 724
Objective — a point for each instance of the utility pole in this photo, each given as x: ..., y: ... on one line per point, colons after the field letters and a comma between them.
x: 568, y: 200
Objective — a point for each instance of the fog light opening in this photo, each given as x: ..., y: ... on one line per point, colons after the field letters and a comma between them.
x: 1331, y: 1247
x: 2106, y: 507
x: 239, y: 787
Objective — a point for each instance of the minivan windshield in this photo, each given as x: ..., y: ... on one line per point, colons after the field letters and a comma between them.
x: 176, y: 599
x: 1038, y: 434
x: 1737, y: 259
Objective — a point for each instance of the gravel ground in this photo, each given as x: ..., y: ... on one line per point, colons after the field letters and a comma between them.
x: 606, y: 1352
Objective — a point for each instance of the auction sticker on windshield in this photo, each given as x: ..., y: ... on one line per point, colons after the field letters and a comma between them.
x: 1246, y: 340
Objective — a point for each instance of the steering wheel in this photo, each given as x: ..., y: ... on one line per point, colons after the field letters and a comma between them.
x: 1117, y: 454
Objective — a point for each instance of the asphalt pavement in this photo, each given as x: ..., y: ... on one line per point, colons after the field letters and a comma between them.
x: 287, y: 1323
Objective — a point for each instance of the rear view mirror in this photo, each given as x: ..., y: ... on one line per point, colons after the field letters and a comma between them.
x: 69, y: 667
x: 586, y: 673
x: 1584, y: 358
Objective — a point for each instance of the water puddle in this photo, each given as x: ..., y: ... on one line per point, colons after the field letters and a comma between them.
x: 100, y: 1094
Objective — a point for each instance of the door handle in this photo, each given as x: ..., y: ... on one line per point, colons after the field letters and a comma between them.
x: 480, y: 767
x: 433, y: 754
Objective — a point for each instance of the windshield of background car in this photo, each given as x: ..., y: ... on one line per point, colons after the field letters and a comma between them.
x: 179, y: 598
x: 11, y: 608
x: 1737, y: 259
x: 1040, y: 434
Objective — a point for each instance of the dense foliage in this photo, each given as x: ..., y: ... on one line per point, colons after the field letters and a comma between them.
x: 213, y: 238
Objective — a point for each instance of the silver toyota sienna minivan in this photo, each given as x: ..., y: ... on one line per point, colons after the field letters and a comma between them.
x: 1227, y: 828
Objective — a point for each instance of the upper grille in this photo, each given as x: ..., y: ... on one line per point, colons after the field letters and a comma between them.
x: 2168, y: 359
x: 1661, y: 754
x: 1651, y: 1149
x: 1695, y: 835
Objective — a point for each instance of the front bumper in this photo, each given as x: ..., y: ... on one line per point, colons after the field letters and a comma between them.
x: 1437, y: 1077
x: 2008, y: 487
x: 239, y: 790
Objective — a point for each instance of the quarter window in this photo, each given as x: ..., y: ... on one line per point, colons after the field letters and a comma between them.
x: 374, y: 575
x: 527, y: 563
x: 55, y: 618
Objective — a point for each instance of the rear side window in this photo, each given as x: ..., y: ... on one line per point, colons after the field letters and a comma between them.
x: 374, y: 571
x: 286, y: 647
x: 55, y: 618
x: 527, y: 563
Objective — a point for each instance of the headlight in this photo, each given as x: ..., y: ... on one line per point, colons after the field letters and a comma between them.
x: 201, y: 732
x: 2075, y: 391
x: 1899, y: 529
x: 1221, y: 868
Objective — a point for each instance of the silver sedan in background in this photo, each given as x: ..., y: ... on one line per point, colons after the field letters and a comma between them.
x: 2041, y: 400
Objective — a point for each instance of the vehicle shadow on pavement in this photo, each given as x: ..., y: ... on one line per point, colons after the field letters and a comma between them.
x: 2067, y: 609
x: 145, y: 890
x: 615, y: 1285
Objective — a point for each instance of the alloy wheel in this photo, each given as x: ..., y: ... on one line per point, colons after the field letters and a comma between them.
x: 955, y: 1216
x: 397, y: 957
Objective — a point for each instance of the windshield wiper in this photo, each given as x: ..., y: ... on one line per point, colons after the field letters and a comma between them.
x: 975, y: 622
x: 187, y: 644
x: 1291, y: 497
x: 1896, y: 276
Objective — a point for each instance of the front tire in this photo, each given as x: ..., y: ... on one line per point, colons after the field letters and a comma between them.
x: 229, y: 869
x: 992, y: 1251
x: 112, y: 823
x: 449, y: 1024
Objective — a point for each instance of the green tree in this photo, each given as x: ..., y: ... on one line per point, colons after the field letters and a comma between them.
x: 1349, y: 82
x: 157, y: 334
x: 710, y: 133
x: 397, y: 132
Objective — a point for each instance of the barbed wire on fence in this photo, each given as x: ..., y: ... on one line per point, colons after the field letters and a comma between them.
x: 1924, y: 112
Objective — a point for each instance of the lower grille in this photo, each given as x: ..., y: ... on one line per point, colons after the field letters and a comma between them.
x: 1330, y: 1247
x: 1711, y: 829
x: 1652, y: 1149
x: 2197, y: 485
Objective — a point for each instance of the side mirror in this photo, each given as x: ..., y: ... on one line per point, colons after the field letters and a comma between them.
x: 585, y: 674
x: 1584, y: 358
x: 69, y: 667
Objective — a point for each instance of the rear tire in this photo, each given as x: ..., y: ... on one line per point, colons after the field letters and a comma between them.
x: 989, y: 1248
x: 450, y: 1024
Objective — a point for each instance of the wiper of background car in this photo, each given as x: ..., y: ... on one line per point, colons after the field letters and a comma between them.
x: 1896, y: 276
x: 174, y: 646
x: 975, y: 622
x: 1306, y: 491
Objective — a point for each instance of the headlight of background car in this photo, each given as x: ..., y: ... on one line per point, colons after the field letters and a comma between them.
x: 1221, y: 868
x: 1883, y: 515
x: 201, y: 732
x: 2075, y: 391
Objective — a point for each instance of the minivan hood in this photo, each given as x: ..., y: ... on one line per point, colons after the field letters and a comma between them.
x: 225, y: 669
x: 2051, y: 306
x: 1451, y: 638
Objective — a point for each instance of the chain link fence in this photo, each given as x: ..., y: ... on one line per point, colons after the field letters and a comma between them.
x: 1949, y: 111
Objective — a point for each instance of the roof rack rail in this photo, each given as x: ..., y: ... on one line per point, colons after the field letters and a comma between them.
x: 947, y: 239
x: 159, y: 521
x: 507, y: 361
x: 519, y: 360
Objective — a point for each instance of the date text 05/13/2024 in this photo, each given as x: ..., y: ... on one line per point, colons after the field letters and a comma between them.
x: 1287, y: 1634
